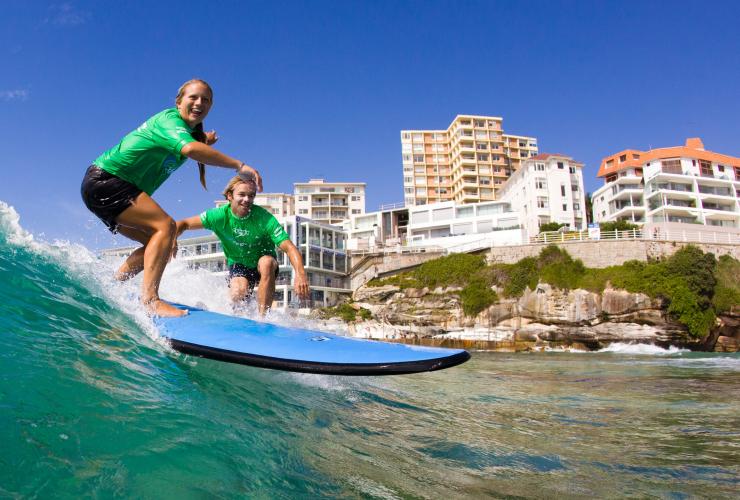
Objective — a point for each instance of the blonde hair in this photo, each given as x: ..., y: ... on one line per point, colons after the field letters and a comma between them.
x: 229, y: 189
x: 198, y: 133
x: 181, y: 90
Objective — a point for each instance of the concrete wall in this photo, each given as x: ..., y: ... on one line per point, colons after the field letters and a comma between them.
x: 600, y: 254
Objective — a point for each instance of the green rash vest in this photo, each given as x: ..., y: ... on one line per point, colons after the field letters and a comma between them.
x: 245, y: 239
x: 147, y: 156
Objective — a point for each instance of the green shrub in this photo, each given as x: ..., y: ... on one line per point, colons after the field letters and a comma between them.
x: 455, y: 269
x: 559, y: 269
x: 521, y: 275
x: 476, y: 297
x: 620, y: 225
x: 686, y: 308
x: 365, y: 314
x: 727, y: 291
x: 550, y: 226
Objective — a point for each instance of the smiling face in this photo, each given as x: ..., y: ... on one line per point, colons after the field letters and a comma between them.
x: 194, y: 102
x: 241, y: 198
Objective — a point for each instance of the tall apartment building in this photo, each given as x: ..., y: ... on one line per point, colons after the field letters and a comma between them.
x: 329, y: 202
x: 547, y: 188
x: 466, y: 163
x: 685, y: 184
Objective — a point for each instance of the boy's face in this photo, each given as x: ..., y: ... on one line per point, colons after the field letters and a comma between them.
x: 242, y: 198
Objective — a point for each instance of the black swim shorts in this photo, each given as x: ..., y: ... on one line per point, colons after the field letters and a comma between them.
x: 107, y: 195
x: 251, y: 273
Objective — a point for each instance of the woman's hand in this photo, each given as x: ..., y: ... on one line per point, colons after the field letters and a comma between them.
x: 211, y: 137
x: 249, y: 174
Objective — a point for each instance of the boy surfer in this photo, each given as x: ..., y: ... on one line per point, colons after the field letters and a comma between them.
x: 249, y: 235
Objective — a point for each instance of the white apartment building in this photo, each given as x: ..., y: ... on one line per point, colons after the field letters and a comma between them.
x: 683, y: 184
x: 444, y: 224
x: 547, y: 188
x: 329, y: 202
x: 386, y: 227
x: 466, y: 163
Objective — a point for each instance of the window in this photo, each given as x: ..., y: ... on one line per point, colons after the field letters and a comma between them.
x: 706, y: 168
x: 720, y: 168
x: 356, y: 211
x: 405, y: 135
x: 303, y: 211
x: 561, y: 165
x: 635, y: 156
x: 303, y: 198
x: 408, y: 180
x: 355, y: 198
x: 465, y: 212
x: 572, y: 170
x: 565, y: 207
x: 562, y: 190
x: 482, y: 157
x: 541, y: 202
x: 622, y: 158
x: 418, y: 158
x: 406, y: 158
x: 539, y: 167
x: 540, y: 183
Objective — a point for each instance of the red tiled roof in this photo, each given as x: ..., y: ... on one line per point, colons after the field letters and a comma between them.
x: 694, y: 148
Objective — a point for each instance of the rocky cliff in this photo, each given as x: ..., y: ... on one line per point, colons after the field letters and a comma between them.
x: 543, y: 317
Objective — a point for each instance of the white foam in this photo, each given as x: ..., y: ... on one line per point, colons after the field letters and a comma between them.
x: 648, y: 349
x: 84, y: 265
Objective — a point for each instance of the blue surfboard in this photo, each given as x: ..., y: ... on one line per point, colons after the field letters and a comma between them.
x: 244, y: 341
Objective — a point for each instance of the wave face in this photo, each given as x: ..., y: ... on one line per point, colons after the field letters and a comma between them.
x: 93, y: 403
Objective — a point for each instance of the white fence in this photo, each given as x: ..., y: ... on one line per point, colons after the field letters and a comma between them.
x: 656, y: 234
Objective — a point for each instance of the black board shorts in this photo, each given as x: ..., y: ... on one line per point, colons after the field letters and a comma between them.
x: 106, y: 195
x: 251, y: 273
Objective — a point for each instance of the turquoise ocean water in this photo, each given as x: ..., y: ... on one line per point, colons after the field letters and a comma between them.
x: 93, y: 404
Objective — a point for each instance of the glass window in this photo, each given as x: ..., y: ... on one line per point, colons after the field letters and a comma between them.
x: 465, y: 211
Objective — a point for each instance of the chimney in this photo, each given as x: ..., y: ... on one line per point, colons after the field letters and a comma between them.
x: 694, y: 143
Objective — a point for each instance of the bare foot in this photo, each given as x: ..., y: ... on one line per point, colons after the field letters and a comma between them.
x: 162, y: 309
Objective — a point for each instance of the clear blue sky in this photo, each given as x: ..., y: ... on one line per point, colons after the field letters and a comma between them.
x: 322, y: 89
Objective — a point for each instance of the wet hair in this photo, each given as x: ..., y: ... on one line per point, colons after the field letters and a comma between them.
x: 198, y: 132
x: 229, y: 189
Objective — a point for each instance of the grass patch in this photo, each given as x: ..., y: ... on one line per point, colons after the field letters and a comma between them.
x: 345, y: 312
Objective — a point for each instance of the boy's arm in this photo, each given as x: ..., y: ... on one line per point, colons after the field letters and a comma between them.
x: 193, y: 222
x: 183, y: 225
x: 301, y: 280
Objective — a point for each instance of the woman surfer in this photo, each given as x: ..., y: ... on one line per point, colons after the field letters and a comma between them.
x: 118, y: 186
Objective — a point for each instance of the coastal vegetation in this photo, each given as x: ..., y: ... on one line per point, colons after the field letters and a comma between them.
x: 345, y: 312
x: 693, y: 286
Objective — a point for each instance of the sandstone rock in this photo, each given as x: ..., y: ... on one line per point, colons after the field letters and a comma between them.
x: 622, y: 302
x: 374, y: 293
x: 726, y: 344
x: 415, y: 293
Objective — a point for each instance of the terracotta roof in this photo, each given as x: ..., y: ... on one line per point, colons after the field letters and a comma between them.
x: 547, y: 156
x: 694, y: 148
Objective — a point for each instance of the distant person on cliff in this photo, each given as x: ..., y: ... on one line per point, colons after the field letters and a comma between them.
x: 119, y: 184
x: 249, y: 235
